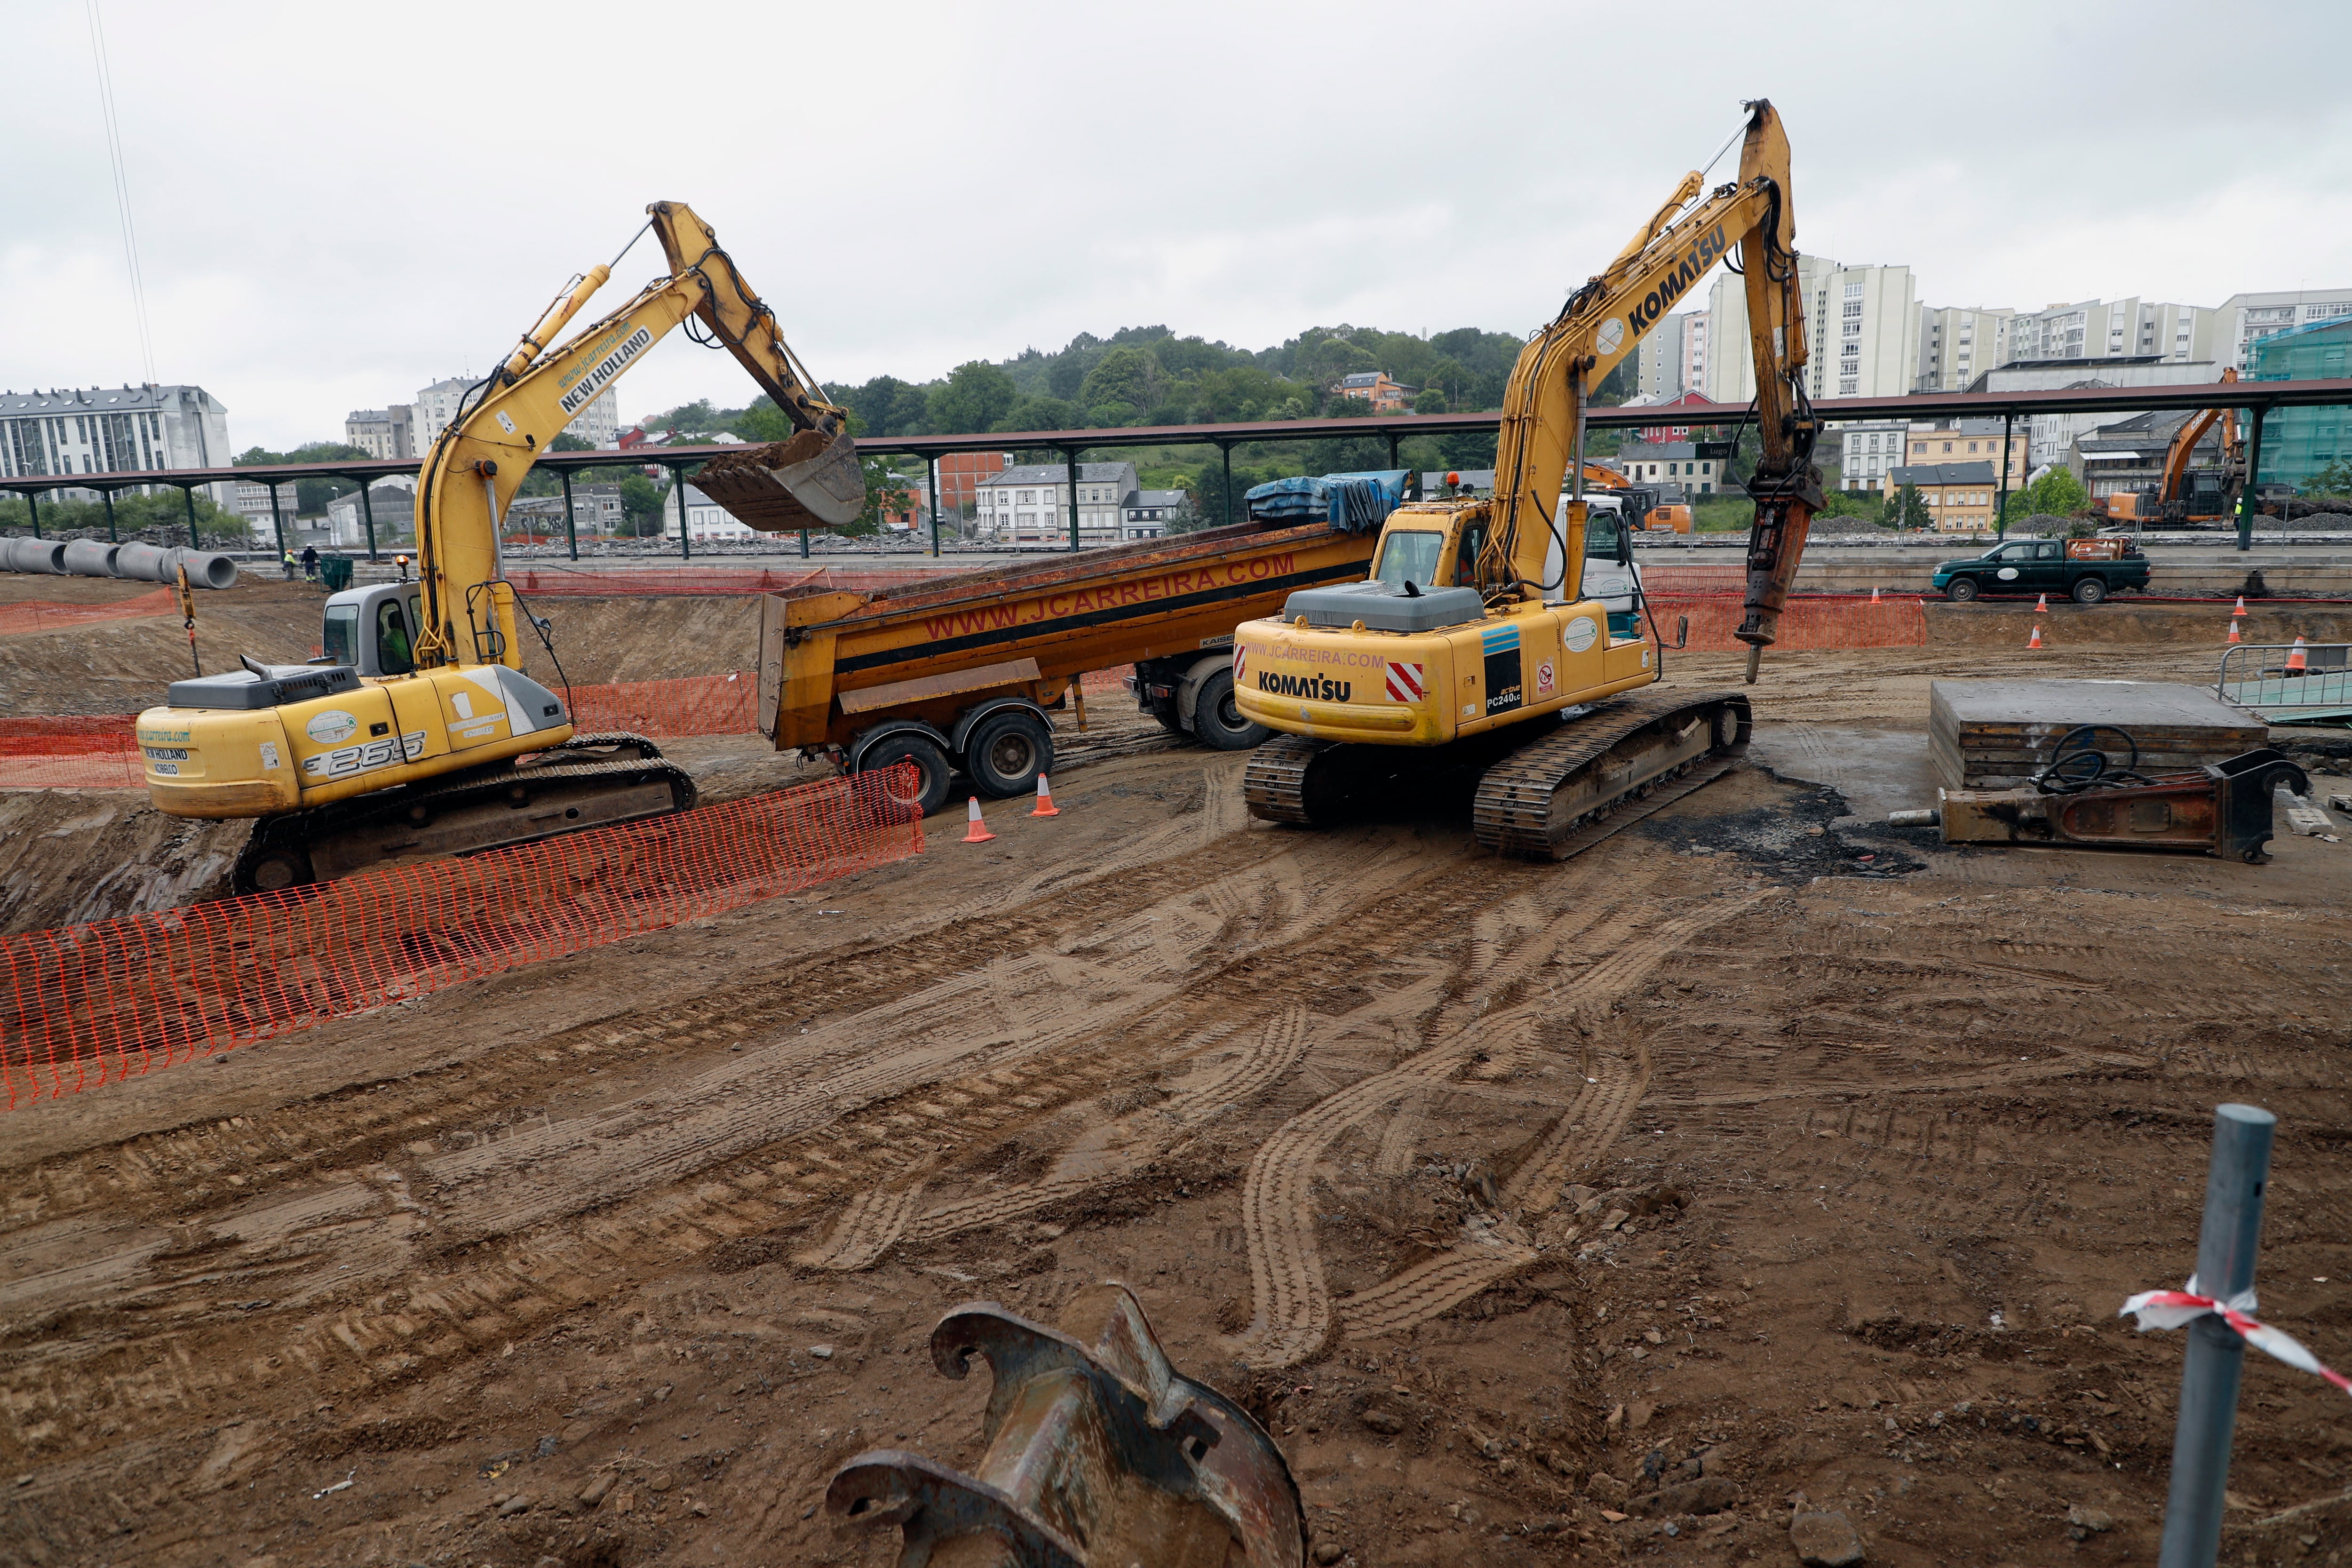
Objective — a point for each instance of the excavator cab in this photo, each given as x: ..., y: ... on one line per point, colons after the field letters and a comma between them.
x: 373, y: 629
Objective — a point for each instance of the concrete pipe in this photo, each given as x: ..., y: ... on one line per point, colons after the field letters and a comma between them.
x: 141, y: 561
x: 43, y: 555
x: 206, y: 569
x: 90, y: 557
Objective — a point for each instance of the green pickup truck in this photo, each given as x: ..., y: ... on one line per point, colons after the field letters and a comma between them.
x: 2084, y: 570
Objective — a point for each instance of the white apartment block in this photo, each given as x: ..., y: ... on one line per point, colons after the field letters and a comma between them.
x: 1955, y: 343
x: 599, y: 423
x: 112, y: 429
x: 381, y: 432
x: 1862, y: 327
x: 1868, y: 450
x: 1030, y: 503
x: 2115, y: 329
x: 1673, y: 358
x: 2244, y: 319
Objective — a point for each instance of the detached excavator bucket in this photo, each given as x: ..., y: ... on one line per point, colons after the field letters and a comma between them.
x: 812, y: 481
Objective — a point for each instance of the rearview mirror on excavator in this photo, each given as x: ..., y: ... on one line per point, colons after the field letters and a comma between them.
x: 1682, y: 633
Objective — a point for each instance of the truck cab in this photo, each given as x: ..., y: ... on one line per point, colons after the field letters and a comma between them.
x: 2085, y: 571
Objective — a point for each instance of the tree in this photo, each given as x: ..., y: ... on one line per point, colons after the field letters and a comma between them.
x: 1043, y: 414
x: 2057, y: 493
x: 975, y: 395
x: 1430, y: 401
x: 1907, y: 509
x: 1122, y: 384
x: 565, y: 441
x: 2336, y: 480
x: 641, y: 504
x: 887, y: 495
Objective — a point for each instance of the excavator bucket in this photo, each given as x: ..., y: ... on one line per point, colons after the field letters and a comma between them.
x: 812, y: 481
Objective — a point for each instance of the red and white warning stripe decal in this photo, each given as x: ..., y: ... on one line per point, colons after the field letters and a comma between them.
x: 1407, y: 683
x: 1240, y: 663
x: 2172, y: 1309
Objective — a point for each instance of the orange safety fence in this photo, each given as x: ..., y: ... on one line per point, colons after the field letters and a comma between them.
x: 1810, y: 623
x: 89, y: 1004
x: 691, y: 705
x: 46, y: 616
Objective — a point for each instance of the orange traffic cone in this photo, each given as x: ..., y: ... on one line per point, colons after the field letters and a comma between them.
x: 1046, y: 806
x: 2041, y: 605
x: 2296, y: 661
x: 2233, y: 633
x: 975, y: 830
x: 2242, y: 605
x: 2033, y: 641
x: 1874, y: 592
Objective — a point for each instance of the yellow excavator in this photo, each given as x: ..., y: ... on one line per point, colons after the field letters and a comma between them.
x: 1471, y: 653
x: 418, y: 735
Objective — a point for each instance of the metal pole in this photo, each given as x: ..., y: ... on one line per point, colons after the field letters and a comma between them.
x: 1392, y: 448
x: 33, y: 506
x: 1227, y: 448
x: 276, y: 521
x: 2001, y: 518
x: 678, y: 483
x: 108, y: 497
x: 1070, y: 469
x: 2253, y: 472
x: 935, y: 505
x: 2216, y: 1355
x: 571, y: 532
x: 367, y: 511
x: 188, y: 494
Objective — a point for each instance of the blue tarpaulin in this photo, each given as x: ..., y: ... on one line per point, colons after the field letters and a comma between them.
x: 1355, y: 504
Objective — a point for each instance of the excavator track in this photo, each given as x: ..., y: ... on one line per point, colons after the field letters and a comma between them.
x: 1544, y: 797
x: 1569, y: 790
x: 588, y: 781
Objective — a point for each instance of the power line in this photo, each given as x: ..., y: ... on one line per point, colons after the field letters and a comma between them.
x: 122, y: 191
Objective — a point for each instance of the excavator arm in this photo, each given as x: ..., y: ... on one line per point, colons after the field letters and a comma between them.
x: 1542, y: 437
x: 506, y: 421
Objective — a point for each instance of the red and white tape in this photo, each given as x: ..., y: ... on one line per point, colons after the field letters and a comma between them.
x: 2172, y: 1309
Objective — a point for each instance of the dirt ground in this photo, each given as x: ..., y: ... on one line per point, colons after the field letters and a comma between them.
x: 1762, y: 1156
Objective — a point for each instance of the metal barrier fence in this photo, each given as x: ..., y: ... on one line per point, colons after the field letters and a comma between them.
x: 93, y: 1003
x: 2288, y: 682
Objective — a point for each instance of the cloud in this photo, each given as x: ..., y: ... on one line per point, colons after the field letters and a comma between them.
x: 338, y: 206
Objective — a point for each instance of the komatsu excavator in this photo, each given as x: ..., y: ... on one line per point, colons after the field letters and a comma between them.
x: 417, y: 733
x: 1472, y: 649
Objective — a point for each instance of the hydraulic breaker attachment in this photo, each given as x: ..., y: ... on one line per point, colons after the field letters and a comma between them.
x: 1775, y: 543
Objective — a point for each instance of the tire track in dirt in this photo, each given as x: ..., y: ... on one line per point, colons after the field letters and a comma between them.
x: 1036, y: 1004
x: 373, y: 1121
x: 1293, y: 1314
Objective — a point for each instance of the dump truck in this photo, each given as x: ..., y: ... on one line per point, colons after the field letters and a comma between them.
x: 962, y: 673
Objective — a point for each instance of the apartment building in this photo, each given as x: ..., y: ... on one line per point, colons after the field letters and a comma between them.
x: 1670, y: 463
x: 2246, y: 320
x: 1961, y: 497
x: 112, y: 429
x: 1973, y: 440
x: 1955, y: 343
x: 1862, y: 326
x: 2130, y: 329
x: 599, y: 423
x: 381, y: 432
x: 2049, y: 436
x: 1867, y: 450
x: 1030, y: 503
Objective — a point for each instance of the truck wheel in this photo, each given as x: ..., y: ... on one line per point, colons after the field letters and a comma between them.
x: 2090, y: 591
x: 930, y: 792
x: 1217, y: 719
x: 1962, y: 589
x: 1006, y: 752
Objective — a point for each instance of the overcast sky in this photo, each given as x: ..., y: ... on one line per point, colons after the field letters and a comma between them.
x: 337, y: 203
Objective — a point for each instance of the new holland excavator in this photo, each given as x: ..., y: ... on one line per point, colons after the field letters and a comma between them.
x: 418, y: 735
x: 1472, y: 653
